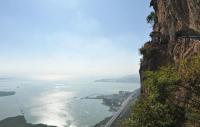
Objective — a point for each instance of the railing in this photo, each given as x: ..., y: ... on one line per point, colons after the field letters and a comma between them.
x: 188, y: 38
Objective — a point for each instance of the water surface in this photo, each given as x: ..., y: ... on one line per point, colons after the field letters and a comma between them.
x: 58, y: 103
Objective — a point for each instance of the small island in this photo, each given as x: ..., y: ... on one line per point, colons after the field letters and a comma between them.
x: 7, y: 93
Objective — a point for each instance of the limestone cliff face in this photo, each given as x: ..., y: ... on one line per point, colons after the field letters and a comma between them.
x: 174, y: 19
x: 175, y: 16
x: 177, y: 24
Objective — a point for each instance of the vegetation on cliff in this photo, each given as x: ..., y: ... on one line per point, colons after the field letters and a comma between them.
x: 156, y: 110
x: 163, y: 107
x: 189, y: 72
x: 151, y: 18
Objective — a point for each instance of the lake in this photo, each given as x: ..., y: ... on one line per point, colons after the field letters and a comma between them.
x: 58, y: 103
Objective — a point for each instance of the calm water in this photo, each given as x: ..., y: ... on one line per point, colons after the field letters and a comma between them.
x: 58, y: 103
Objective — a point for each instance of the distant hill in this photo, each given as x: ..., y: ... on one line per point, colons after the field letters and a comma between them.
x: 4, y: 78
x: 125, y: 79
x: 6, y: 93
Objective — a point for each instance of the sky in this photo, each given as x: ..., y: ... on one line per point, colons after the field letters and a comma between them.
x: 63, y: 39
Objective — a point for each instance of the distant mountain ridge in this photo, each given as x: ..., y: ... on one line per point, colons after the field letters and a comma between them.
x: 6, y: 93
x: 126, y: 79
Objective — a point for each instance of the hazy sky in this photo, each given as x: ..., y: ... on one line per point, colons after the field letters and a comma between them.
x: 53, y: 39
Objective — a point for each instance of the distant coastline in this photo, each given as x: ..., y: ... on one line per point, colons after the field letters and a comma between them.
x: 125, y: 113
x: 113, y: 101
x: 125, y: 79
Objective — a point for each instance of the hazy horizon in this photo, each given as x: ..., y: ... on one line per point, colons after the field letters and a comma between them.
x: 68, y: 39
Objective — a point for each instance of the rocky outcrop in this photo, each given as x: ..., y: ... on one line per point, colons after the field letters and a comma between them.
x: 176, y: 35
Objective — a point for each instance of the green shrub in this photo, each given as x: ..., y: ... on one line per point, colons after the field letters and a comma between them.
x: 155, y: 110
x: 151, y: 18
x: 149, y: 113
x: 162, y: 83
x: 189, y: 71
x: 148, y: 51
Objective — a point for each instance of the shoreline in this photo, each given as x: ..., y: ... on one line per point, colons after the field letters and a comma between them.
x: 113, y: 101
x: 125, y: 113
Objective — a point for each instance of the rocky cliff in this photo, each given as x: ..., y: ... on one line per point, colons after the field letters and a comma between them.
x: 175, y: 20
x: 175, y: 36
x: 176, y: 16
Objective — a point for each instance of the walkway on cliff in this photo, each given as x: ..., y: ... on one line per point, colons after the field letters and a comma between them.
x: 186, y: 38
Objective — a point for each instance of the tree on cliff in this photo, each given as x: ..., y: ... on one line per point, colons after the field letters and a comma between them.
x: 151, y: 18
